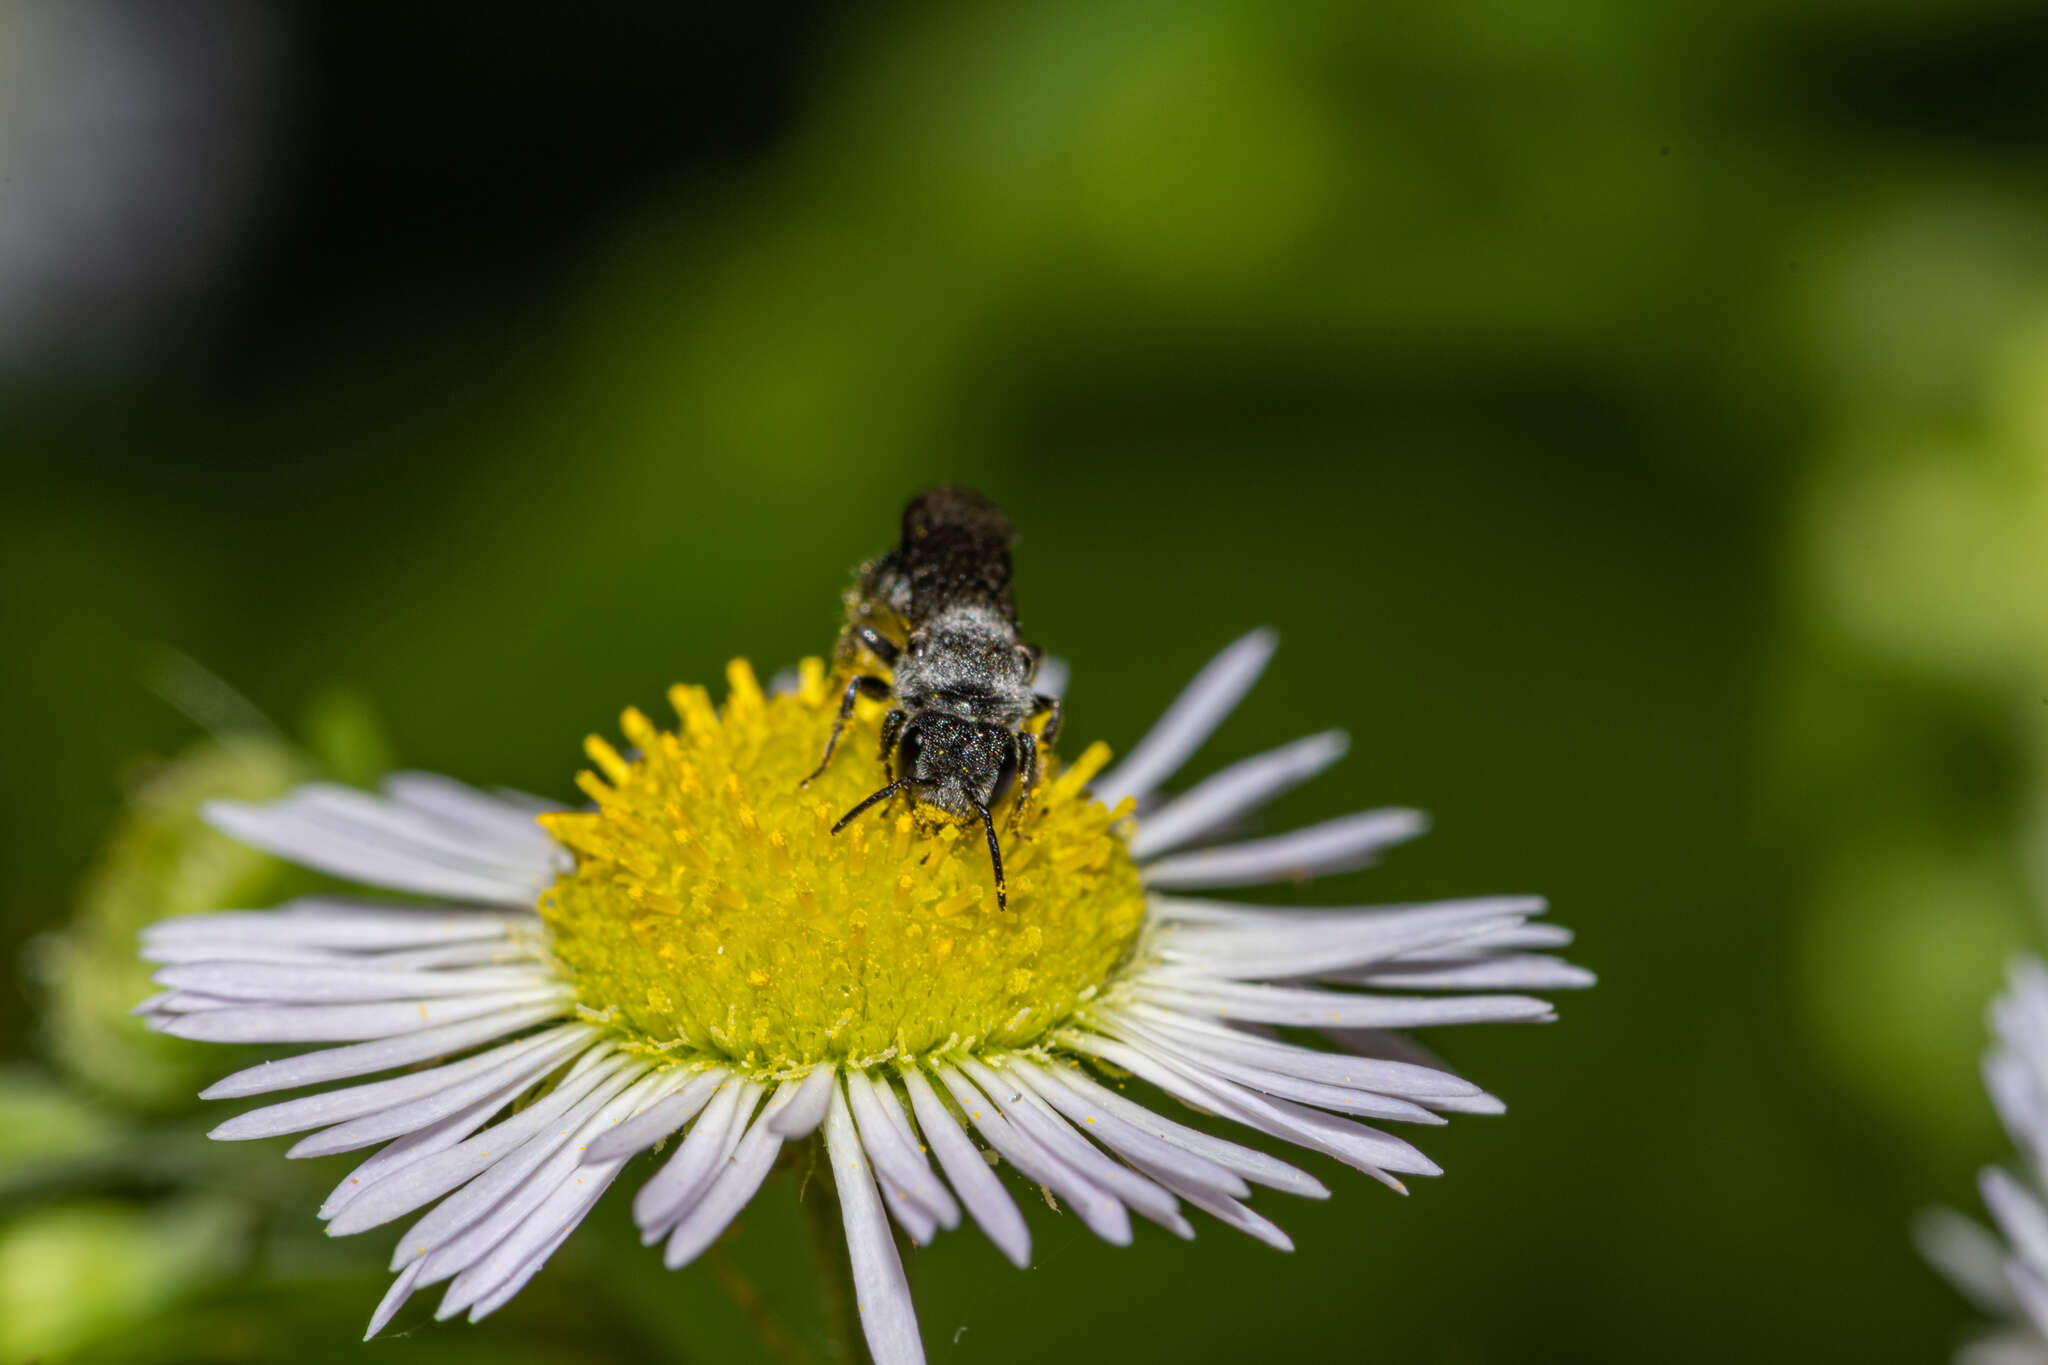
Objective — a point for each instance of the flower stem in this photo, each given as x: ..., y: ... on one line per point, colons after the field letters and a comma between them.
x: 835, y: 1274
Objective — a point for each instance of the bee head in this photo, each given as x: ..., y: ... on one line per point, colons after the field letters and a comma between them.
x: 962, y: 767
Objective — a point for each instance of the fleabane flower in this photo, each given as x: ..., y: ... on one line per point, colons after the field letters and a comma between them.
x: 2007, y: 1278
x: 697, y: 953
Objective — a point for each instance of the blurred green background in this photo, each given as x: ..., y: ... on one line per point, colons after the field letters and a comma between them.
x: 1635, y: 419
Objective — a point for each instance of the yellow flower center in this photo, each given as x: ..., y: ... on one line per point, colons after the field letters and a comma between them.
x: 712, y: 910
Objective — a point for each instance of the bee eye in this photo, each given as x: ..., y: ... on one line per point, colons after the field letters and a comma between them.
x: 907, y: 750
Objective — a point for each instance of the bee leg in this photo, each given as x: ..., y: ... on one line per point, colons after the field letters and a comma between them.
x: 877, y: 644
x: 1028, y: 772
x: 892, y: 730
x: 1049, y: 733
x: 995, y: 857
x: 866, y: 684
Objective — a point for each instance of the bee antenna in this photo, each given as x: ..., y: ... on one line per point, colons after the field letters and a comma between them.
x: 995, y: 856
x: 883, y: 795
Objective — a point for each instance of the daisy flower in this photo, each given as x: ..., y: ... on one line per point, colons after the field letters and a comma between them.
x: 696, y: 962
x: 2008, y: 1278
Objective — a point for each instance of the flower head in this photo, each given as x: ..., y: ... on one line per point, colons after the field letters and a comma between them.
x: 698, y: 952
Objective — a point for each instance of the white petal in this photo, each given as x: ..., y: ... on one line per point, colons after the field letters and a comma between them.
x: 337, y: 1106
x: 901, y: 1169
x: 1252, y: 1164
x: 1321, y: 1009
x: 1361, y: 1148
x: 1023, y: 1108
x: 888, y: 1318
x: 1339, y: 845
x: 506, y: 823
x: 519, y: 1256
x: 341, y: 922
x: 1192, y: 718
x: 509, y: 1079
x: 685, y: 1174
x: 1241, y: 787
x: 510, y: 1286
x: 1969, y: 1256
x: 1098, y: 1208
x: 979, y: 1189
x: 349, y: 1023
x: 2020, y: 1215
x: 806, y: 1110
x: 1406, y: 1079
x: 658, y: 1120
x: 460, y: 1221
x: 306, y: 983
x: 380, y: 1190
x: 1302, y: 945
x: 1194, y: 1051
x: 1127, y: 1139
x: 1517, y: 972
x: 561, y: 1170
x: 394, y: 1299
x: 733, y: 1187
x: 364, y: 1059
x: 334, y: 836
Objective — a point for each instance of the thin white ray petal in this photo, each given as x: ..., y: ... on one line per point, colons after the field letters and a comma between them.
x: 988, y: 1203
x: 393, y: 1300
x: 2020, y: 1215
x: 337, y: 1106
x: 1192, y: 717
x: 518, y: 1256
x: 509, y: 1077
x: 1195, y: 1051
x: 465, y: 1211
x: 1519, y: 972
x: 658, y: 1120
x: 1363, y: 1149
x: 309, y: 984
x: 1340, y: 845
x: 561, y: 1169
x: 509, y: 1288
x: 1969, y: 1256
x: 509, y: 824
x: 901, y: 1170
x: 526, y: 1248
x: 691, y: 1165
x: 1129, y: 1141
x: 1102, y: 1211
x: 1258, y: 1167
x: 379, y: 1191
x: 2031, y: 1289
x: 1023, y: 1108
x: 1338, y: 1009
x: 342, y: 923
x: 349, y: 1023
x: 802, y: 1115
x: 365, y: 1059
x: 422, y: 832
x: 1244, y: 786
x: 887, y: 1316
x: 1408, y: 1080
x: 371, y: 856
x: 733, y: 1187
x: 1308, y: 949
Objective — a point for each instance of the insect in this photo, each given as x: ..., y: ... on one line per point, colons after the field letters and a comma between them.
x: 937, y: 612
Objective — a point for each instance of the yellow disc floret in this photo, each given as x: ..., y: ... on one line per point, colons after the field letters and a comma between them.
x: 713, y: 912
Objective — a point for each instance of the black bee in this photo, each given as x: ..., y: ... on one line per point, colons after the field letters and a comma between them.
x: 937, y: 612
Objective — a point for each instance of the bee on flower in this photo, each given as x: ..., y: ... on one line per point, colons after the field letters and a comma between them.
x: 711, y: 960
